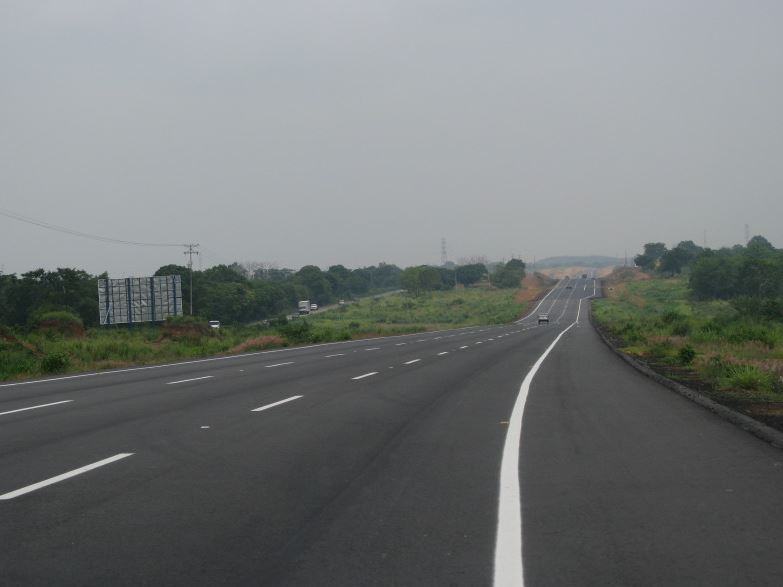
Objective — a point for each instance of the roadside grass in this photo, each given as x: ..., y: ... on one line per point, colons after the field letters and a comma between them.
x: 38, y: 353
x: 739, y: 358
x: 402, y: 313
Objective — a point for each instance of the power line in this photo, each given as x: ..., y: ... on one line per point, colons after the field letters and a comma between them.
x: 63, y: 229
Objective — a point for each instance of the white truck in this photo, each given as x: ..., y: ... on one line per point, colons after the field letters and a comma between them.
x: 304, y: 307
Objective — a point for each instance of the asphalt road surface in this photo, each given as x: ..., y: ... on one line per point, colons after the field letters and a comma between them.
x: 463, y: 457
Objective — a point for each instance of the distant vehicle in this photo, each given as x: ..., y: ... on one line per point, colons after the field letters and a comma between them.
x: 313, y: 307
x: 214, y: 324
x: 341, y: 302
x: 543, y: 318
x: 584, y: 275
x: 569, y: 287
x: 304, y: 307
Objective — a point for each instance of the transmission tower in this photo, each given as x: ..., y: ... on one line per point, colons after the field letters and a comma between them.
x: 191, y: 250
x: 443, y: 256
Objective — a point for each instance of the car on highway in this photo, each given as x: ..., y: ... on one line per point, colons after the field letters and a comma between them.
x: 313, y: 307
x: 214, y: 324
x: 543, y: 318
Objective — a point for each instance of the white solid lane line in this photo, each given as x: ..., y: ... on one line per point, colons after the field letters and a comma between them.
x: 508, y: 541
x: 411, y: 362
x: 334, y: 355
x: 282, y: 401
x: 187, y: 380
x: 278, y: 364
x: 370, y: 374
x: 64, y: 476
x: 65, y: 401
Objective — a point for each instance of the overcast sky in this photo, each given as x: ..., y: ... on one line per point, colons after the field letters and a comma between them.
x: 353, y: 132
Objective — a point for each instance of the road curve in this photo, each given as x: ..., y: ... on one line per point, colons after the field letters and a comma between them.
x: 378, y: 463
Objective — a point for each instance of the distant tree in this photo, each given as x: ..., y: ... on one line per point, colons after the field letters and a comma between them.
x: 509, y: 275
x: 420, y: 279
x: 470, y: 274
x: 318, y: 288
x: 652, y: 253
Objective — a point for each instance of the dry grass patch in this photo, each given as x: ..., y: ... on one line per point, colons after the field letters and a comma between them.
x: 259, y: 343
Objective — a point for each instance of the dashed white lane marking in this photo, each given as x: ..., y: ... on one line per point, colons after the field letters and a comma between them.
x: 375, y: 348
x: 187, y: 380
x: 205, y: 427
x: 508, y: 541
x: 443, y: 353
x: 401, y: 344
x: 478, y: 342
x: 65, y: 401
x: 411, y: 362
x: 64, y: 476
x: 282, y: 401
x: 334, y: 355
x: 422, y: 340
x: 370, y: 374
x: 437, y: 338
x: 279, y: 364
x: 464, y: 347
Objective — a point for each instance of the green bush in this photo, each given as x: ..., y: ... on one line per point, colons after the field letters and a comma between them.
x: 55, y: 362
x: 748, y: 377
x: 748, y: 331
x: 686, y: 354
x: 60, y: 322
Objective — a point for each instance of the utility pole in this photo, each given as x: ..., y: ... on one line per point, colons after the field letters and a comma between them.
x: 190, y: 252
x: 443, y: 256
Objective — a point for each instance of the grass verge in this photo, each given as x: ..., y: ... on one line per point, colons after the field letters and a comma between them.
x: 39, y: 353
x: 710, y: 346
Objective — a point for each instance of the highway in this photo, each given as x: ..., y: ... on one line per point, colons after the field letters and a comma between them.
x: 509, y: 455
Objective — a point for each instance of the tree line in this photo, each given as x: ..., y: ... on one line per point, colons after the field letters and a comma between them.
x: 751, y: 276
x: 240, y: 294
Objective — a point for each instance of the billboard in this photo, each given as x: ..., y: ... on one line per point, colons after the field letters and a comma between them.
x: 139, y: 299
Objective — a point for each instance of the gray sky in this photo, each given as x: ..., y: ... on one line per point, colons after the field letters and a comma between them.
x: 348, y: 131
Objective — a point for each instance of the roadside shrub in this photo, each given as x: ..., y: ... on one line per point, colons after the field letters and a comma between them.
x: 686, y: 354
x: 190, y: 327
x: 629, y: 331
x: 354, y: 325
x: 58, y: 322
x: 660, y: 349
x: 55, y: 362
x: 281, y: 320
x: 672, y: 316
x: 746, y: 331
x: 296, y: 332
x: 748, y: 377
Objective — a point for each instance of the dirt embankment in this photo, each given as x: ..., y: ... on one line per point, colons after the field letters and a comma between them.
x: 534, y: 287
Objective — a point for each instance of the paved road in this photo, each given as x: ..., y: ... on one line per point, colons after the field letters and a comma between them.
x: 379, y: 462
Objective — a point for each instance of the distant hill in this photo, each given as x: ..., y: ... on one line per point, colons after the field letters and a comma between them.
x: 586, y: 261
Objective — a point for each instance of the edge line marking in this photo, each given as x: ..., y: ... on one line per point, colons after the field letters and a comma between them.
x: 509, y: 566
